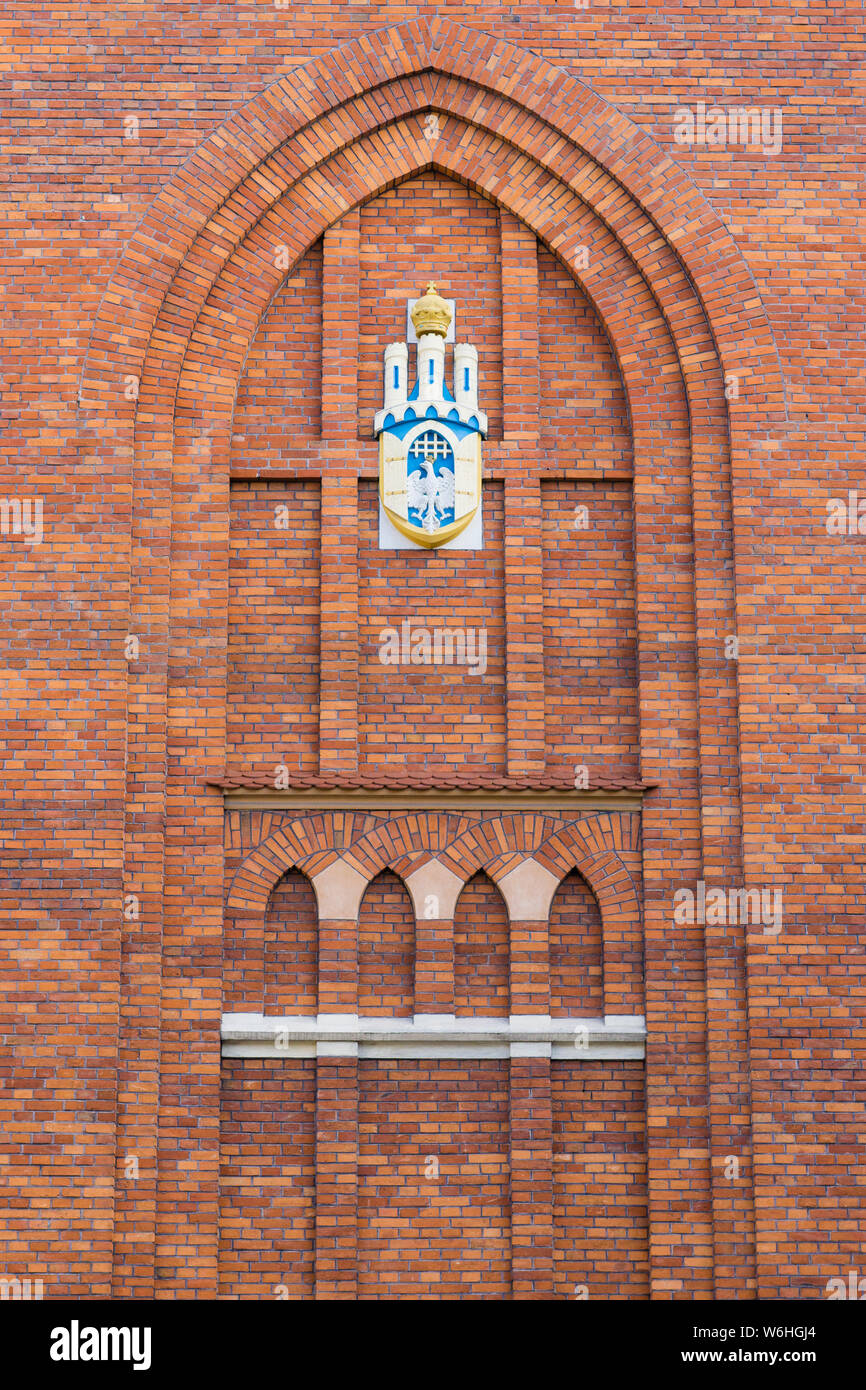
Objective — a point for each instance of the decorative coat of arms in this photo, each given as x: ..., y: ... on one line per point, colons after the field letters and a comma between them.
x: 429, y: 439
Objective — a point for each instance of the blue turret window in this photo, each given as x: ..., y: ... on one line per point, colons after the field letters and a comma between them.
x: 465, y: 378
x: 396, y: 378
x: 432, y: 369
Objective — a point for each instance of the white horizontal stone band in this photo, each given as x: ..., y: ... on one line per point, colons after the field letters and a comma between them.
x: 619, y: 1038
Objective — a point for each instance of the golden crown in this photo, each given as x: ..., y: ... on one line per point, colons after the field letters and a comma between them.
x: 431, y: 313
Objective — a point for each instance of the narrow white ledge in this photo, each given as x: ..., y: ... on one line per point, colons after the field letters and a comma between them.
x: 434, y: 1035
x: 417, y: 413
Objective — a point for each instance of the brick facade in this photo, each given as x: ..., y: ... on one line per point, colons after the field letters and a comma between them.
x: 219, y: 802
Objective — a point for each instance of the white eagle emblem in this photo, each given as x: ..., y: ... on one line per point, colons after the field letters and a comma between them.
x: 430, y: 493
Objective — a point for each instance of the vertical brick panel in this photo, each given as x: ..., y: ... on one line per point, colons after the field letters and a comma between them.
x: 681, y: 1225
x: 433, y: 1209
x: 426, y: 715
x: 531, y: 1153
x: 339, y: 607
x: 280, y: 392
x: 523, y: 559
x: 338, y: 966
x: 590, y: 630
x: 272, y: 705
x: 191, y: 1000
x: 601, y: 1227
x: 530, y: 967
x: 243, y: 976
x: 267, y: 1178
x: 584, y: 412
x: 340, y: 327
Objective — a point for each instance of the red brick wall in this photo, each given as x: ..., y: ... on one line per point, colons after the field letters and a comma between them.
x: 576, y: 958
x: 272, y: 689
x: 430, y: 229
x: 600, y: 1211
x: 433, y: 1199
x: 280, y: 392
x: 151, y: 350
x: 386, y: 949
x: 481, y: 954
x: 590, y: 633
x: 433, y: 1208
x: 430, y: 716
x: 585, y: 414
x: 267, y: 1179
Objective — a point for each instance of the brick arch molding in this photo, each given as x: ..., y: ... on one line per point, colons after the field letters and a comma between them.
x: 519, y: 82
x: 588, y: 846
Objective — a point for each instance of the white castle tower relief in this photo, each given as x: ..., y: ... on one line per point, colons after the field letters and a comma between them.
x: 429, y: 436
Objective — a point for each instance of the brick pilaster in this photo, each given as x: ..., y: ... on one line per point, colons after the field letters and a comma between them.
x: 531, y: 1118
x: 141, y: 959
x: 520, y: 358
x: 338, y: 688
x: 340, y: 327
x: 336, y: 1224
x: 523, y: 560
x: 336, y: 1175
x: 530, y: 967
x: 524, y: 621
x: 338, y: 967
x: 338, y: 691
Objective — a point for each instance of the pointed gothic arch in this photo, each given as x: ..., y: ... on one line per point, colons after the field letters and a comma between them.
x: 422, y: 56
x: 668, y: 282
